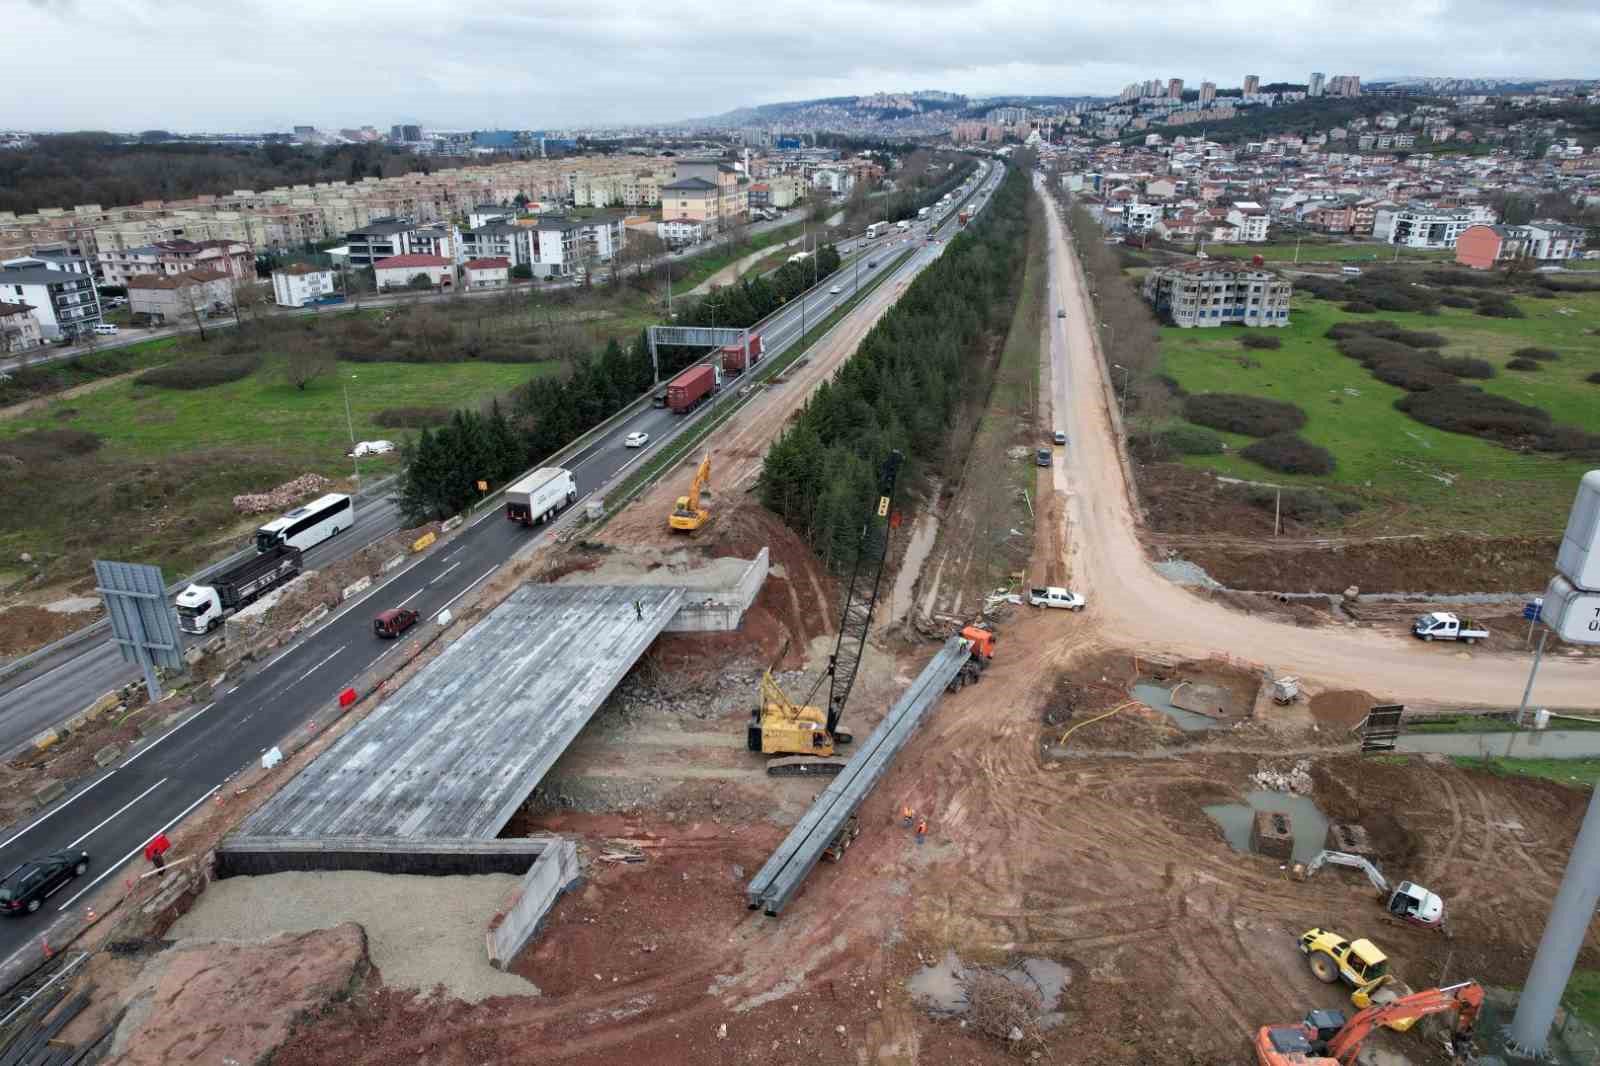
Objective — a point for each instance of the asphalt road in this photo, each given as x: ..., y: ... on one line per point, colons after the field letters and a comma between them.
x: 114, y: 815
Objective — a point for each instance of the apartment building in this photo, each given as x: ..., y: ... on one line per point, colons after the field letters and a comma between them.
x: 1423, y: 226
x: 398, y: 271
x: 299, y: 284
x: 391, y: 237
x: 1252, y: 220
x: 511, y: 241
x: 706, y: 191
x: 121, y: 265
x: 632, y: 189
x: 63, y: 302
x: 1217, y: 292
x: 1483, y: 246
x: 491, y: 273
x: 175, y: 297
x: 19, y: 330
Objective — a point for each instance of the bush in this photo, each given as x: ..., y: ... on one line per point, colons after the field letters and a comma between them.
x: 1593, y: 379
x: 1542, y: 354
x: 522, y: 271
x: 1322, y: 288
x: 1411, y: 375
x: 1290, y: 454
x: 1307, y: 506
x: 1455, y: 299
x: 1524, y: 364
x: 40, y: 446
x: 1464, y: 366
x: 1468, y: 409
x: 1261, y: 340
x: 201, y: 373
x: 1254, y: 416
x: 1388, y: 330
x: 1359, y: 307
x: 1184, y: 440
x: 412, y: 417
x: 1493, y: 305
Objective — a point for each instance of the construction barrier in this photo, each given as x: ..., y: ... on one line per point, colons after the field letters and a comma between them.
x: 356, y: 587
x: 450, y: 523
x: 424, y: 542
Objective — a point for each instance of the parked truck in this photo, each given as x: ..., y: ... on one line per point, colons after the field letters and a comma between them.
x: 540, y: 496
x: 964, y: 216
x: 736, y: 358
x: 1442, y: 625
x: 685, y: 391
x: 201, y: 608
x: 922, y: 213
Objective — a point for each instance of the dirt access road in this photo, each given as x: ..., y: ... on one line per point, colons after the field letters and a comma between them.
x: 1132, y: 605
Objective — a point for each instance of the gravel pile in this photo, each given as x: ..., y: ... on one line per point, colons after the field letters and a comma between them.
x: 422, y: 932
x: 1183, y: 572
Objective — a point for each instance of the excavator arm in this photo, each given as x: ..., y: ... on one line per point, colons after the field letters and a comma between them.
x: 701, y: 476
x: 1465, y: 998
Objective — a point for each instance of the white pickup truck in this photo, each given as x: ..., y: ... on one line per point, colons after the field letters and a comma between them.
x: 1442, y: 625
x: 1056, y: 597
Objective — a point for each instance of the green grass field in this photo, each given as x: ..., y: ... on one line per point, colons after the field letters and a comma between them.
x: 1320, y: 252
x: 1432, y: 479
x: 1578, y: 773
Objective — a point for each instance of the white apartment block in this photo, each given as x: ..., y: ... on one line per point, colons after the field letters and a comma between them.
x: 19, y: 330
x: 1251, y: 219
x: 1421, y: 226
x: 234, y: 258
x: 1140, y: 218
x: 63, y: 302
x: 299, y: 284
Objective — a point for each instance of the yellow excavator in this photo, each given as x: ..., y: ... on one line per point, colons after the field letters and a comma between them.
x: 803, y: 736
x: 688, y: 515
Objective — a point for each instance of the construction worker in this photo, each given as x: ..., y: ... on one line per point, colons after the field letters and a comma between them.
x: 638, y: 609
x: 906, y: 816
x: 922, y: 830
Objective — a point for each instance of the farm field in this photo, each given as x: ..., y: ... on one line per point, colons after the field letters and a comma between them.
x: 1412, y: 476
x: 1326, y: 252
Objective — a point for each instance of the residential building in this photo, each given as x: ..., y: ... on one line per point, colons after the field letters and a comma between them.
x: 706, y: 190
x: 1326, y: 217
x: 19, y: 330
x: 299, y: 284
x: 692, y: 199
x: 678, y: 232
x: 118, y: 266
x: 1344, y: 85
x: 492, y: 273
x: 398, y: 271
x: 1251, y: 218
x: 1216, y: 292
x: 176, y: 297
x: 1252, y: 84
x: 388, y: 238
x: 1423, y: 226
x: 1208, y: 93
x: 1174, y: 88
x: 1554, y: 241
x: 1318, y: 83
x: 1139, y: 218
x: 1482, y: 246
x: 52, y: 260
x: 483, y: 214
x: 63, y: 302
x: 513, y: 242
x: 837, y: 181
x: 760, y: 195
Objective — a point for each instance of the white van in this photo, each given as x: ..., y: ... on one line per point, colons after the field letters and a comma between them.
x: 1349, y: 270
x: 105, y: 329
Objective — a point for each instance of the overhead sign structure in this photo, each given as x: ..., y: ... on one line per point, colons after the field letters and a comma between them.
x: 1573, y: 613
x: 143, y: 623
x: 1579, y: 557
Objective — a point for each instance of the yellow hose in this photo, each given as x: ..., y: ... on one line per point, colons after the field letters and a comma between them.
x: 1096, y: 718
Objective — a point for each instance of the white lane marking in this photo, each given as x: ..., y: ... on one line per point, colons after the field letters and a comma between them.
x: 57, y: 811
x: 148, y: 747
x: 409, y: 598
x: 114, y: 867
x: 124, y: 807
x: 232, y: 690
x: 449, y: 555
x: 466, y: 590
x: 320, y: 665
x: 442, y: 574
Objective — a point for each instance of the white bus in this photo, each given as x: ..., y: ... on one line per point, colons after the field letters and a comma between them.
x: 875, y: 230
x: 307, y: 526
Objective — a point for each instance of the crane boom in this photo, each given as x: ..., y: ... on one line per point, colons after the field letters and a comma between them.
x: 865, y: 577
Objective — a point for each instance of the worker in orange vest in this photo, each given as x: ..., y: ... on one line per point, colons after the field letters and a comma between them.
x: 922, y: 830
x: 906, y: 816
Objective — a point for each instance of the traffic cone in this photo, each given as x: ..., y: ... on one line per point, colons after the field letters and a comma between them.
x: 47, y: 951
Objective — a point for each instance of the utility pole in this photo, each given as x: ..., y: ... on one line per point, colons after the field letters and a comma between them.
x: 351, y: 424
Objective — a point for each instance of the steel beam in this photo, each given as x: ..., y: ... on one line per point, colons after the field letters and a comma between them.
x: 776, y: 883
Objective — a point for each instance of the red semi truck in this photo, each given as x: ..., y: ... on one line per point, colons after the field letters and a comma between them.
x: 685, y: 391
x: 736, y: 359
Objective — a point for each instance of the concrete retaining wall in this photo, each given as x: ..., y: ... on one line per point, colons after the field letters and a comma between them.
x: 255, y: 856
x: 721, y: 610
x: 511, y: 929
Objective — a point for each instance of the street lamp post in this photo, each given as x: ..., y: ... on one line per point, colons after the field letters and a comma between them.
x: 350, y: 423
x: 1122, y: 402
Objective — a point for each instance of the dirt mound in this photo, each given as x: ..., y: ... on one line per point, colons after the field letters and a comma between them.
x: 222, y: 1000
x: 26, y: 627
x: 1343, y: 708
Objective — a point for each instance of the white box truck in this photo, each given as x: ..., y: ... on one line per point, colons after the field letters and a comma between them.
x: 541, y: 495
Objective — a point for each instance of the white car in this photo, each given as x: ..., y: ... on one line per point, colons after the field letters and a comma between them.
x: 636, y: 440
x: 835, y: 291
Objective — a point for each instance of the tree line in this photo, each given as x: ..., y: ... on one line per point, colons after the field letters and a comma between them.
x: 901, y: 388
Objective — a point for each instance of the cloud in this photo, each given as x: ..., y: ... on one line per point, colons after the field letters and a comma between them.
x: 249, y: 64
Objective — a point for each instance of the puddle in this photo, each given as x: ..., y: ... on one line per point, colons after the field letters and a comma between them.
x: 1160, y: 698
x: 1309, y: 825
x: 923, y: 533
x: 941, y: 988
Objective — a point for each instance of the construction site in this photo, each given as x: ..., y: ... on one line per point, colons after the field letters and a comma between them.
x: 668, y: 789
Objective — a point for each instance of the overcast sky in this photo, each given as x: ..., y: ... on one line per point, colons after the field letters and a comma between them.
x: 267, y: 64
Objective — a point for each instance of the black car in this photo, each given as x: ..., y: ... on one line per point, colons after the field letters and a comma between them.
x: 24, y: 890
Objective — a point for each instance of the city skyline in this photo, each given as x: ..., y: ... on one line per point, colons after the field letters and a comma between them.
x: 522, y: 68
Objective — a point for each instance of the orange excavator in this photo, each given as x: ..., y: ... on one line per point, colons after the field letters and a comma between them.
x: 1325, y: 1038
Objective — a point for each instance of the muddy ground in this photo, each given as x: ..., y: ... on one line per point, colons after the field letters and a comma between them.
x: 1188, y: 512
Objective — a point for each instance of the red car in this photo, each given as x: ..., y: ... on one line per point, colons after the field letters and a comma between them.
x: 393, y: 622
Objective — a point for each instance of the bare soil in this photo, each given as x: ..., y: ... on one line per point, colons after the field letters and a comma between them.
x: 25, y: 627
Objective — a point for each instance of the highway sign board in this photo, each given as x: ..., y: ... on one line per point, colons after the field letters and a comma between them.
x: 143, y: 624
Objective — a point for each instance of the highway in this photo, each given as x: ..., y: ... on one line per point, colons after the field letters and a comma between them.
x: 115, y: 814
